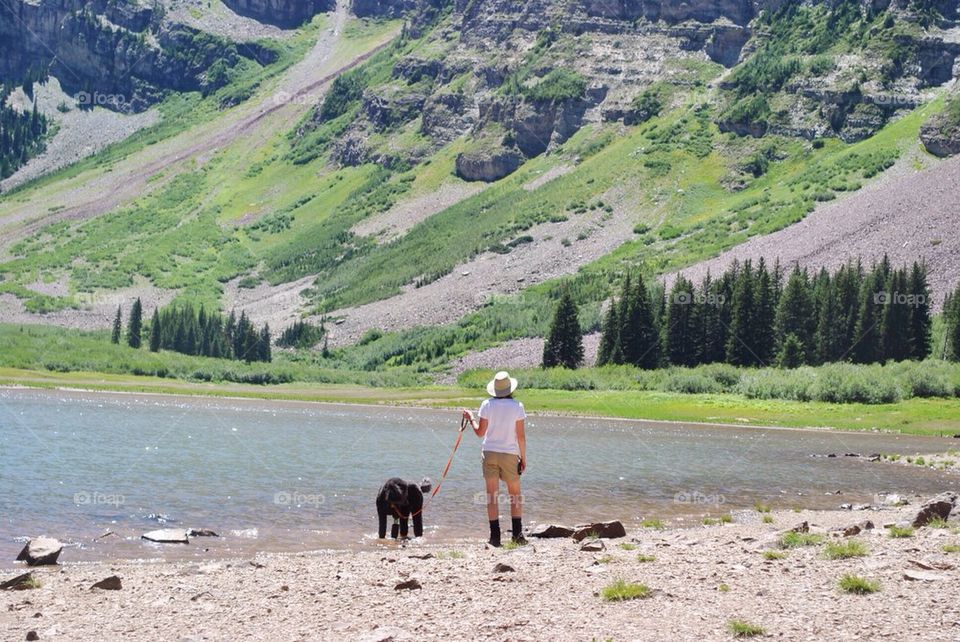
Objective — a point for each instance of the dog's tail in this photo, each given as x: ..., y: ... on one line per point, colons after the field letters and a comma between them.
x: 425, y: 485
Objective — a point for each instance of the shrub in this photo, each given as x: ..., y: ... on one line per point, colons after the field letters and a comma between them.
x: 691, y: 382
x: 558, y: 86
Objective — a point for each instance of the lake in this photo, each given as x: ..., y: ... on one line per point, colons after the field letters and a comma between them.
x: 273, y: 476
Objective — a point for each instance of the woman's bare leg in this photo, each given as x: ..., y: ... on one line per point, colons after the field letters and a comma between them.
x: 493, y: 488
x: 516, y: 499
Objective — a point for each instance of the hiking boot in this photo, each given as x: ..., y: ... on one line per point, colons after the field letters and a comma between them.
x: 520, y: 540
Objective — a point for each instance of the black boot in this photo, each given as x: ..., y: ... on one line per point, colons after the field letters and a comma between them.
x: 494, y: 533
x: 518, y: 531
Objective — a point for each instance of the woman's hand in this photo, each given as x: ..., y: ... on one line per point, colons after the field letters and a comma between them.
x: 523, y: 465
x: 467, y: 415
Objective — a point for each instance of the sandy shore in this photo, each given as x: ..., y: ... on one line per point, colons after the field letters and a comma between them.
x: 701, y: 579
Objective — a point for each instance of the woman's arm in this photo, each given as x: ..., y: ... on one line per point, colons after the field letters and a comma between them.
x: 478, y: 429
x: 522, y: 441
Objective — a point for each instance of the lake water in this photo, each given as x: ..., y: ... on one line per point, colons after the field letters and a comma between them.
x: 295, y: 476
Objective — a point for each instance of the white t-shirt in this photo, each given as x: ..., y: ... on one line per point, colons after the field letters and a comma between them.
x: 502, y: 416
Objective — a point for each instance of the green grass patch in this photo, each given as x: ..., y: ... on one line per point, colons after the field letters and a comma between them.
x: 858, y: 585
x: 900, y: 532
x: 743, y: 629
x: 655, y: 524
x: 620, y: 590
x: 774, y: 555
x: 791, y: 539
x: 627, y: 546
x: 845, y: 550
x: 645, y: 559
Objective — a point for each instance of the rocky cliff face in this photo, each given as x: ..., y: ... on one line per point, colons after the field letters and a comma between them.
x: 472, y: 75
x: 283, y: 13
x: 112, y: 54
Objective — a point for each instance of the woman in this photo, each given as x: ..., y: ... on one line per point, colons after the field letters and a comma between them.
x: 504, y: 451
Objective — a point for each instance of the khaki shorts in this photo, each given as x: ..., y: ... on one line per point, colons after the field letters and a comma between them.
x: 501, y: 465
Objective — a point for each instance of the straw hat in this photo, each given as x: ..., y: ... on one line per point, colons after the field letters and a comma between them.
x: 502, y: 385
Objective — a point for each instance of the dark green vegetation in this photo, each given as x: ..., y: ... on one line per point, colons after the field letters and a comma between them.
x: 752, y: 316
x: 831, y: 383
x: 564, y: 344
x: 951, y: 342
x: 301, y: 334
x: 22, y: 134
x: 208, y: 334
x: 858, y: 585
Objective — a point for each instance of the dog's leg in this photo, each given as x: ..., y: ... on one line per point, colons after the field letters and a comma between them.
x: 395, y: 529
x: 418, y: 525
x: 403, y: 527
x: 381, y: 516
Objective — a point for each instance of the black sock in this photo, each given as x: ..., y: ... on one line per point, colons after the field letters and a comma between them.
x: 495, y: 532
x: 517, y: 527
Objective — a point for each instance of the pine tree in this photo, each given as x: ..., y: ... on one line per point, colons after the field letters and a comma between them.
x: 135, y: 325
x: 791, y: 352
x: 794, y: 314
x: 681, y: 332
x: 639, y: 337
x: 764, y: 315
x: 829, y: 337
x: 117, y: 327
x: 920, y: 322
x: 264, y: 353
x: 738, y: 351
x: 953, y: 324
x: 155, y: 332
x: 867, y: 348
x: 564, y: 345
x: 895, y: 320
x: 609, y: 335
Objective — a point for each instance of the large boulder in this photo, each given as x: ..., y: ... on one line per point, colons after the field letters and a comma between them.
x: 488, y: 166
x: 940, y: 137
x: 606, y: 530
x: 938, y: 507
x: 42, y: 551
x: 552, y: 531
x: 167, y: 536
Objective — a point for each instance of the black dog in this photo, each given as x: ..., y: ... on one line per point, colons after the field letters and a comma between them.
x: 401, y: 500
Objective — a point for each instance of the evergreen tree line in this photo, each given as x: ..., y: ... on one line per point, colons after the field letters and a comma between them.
x: 754, y: 316
x: 188, y: 331
x: 21, y: 134
x: 951, y: 314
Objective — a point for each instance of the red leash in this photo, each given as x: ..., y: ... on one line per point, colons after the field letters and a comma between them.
x: 443, y: 475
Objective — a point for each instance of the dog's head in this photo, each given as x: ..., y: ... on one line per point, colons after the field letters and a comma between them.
x: 425, y: 485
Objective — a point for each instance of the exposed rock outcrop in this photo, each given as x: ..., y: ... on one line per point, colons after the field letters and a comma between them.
x: 283, y: 13
x: 940, y: 136
x: 110, y: 54
x: 488, y: 166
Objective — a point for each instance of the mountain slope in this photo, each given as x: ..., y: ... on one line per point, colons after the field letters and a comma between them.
x: 508, y: 148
